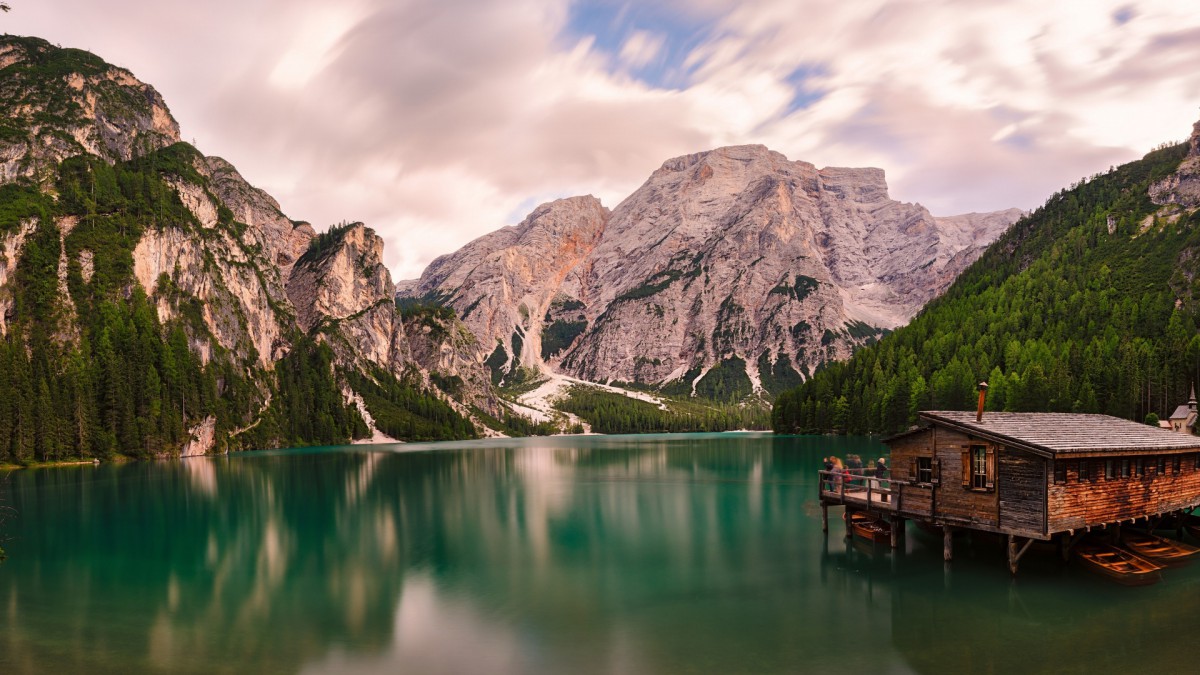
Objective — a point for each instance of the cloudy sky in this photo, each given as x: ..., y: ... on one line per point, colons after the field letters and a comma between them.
x: 436, y: 121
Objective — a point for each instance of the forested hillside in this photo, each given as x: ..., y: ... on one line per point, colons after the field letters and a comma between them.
x: 1089, y: 304
x: 145, y: 308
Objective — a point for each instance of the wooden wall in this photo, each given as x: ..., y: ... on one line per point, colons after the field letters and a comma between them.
x: 1076, y: 505
x: 1022, y: 487
x: 913, y: 499
x: 955, y: 504
x: 1015, y: 504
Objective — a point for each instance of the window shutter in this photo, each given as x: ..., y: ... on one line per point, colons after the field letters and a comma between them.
x: 991, y: 467
x: 936, y: 465
x: 966, y: 467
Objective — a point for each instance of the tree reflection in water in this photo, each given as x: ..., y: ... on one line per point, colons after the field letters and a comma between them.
x: 599, y: 554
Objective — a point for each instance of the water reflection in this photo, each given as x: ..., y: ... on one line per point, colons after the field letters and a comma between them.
x: 667, y: 554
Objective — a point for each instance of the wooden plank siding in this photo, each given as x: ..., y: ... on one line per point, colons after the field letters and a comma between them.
x: 955, y: 504
x: 1097, y: 501
x: 1022, y: 487
x: 1016, y: 503
x: 913, y: 500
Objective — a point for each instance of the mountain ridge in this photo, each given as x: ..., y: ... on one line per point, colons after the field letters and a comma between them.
x: 1088, y: 304
x: 153, y: 302
x: 740, y: 236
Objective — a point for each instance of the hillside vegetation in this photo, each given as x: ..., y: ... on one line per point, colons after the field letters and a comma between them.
x: 1089, y: 304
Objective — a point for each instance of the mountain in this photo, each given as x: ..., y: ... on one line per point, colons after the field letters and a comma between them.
x: 153, y: 302
x: 1089, y: 304
x: 729, y: 272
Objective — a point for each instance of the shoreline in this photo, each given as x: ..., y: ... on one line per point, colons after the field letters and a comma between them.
x: 52, y: 464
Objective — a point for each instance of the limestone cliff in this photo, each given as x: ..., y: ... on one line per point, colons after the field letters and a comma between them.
x: 341, y: 286
x: 63, y: 102
x: 727, y: 272
x: 504, y: 283
x: 115, y: 233
x: 1183, y: 186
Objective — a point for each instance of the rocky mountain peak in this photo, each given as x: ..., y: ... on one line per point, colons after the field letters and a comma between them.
x: 723, y: 156
x: 340, y: 274
x: 63, y: 102
x: 728, y: 271
x: 1183, y: 186
x: 504, y: 283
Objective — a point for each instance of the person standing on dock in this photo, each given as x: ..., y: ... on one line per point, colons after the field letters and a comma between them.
x: 880, y: 474
x: 828, y: 478
x: 854, y: 467
x: 838, y: 472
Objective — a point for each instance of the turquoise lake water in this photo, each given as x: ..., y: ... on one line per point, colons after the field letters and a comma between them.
x: 696, y: 553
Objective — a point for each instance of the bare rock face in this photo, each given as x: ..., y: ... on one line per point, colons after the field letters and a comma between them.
x: 95, y: 108
x: 283, y: 240
x: 727, y: 272
x: 10, y: 252
x: 346, y: 277
x: 203, y: 438
x: 504, y: 282
x: 343, y: 283
x: 446, y: 349
x: 240, y: 280
x: 1183, y: 186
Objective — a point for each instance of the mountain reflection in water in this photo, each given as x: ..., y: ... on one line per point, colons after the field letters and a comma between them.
x: 659, y: 554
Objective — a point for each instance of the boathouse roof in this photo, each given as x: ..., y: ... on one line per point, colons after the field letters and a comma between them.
x: 1064, y: 433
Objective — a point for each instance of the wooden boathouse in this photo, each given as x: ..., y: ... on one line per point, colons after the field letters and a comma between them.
x: 1027, y: 476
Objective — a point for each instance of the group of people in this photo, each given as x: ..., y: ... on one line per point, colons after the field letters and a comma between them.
x: 852, y: 472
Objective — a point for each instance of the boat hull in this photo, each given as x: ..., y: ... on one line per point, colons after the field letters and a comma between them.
x: 869, y: 528
x: 1117, y: 564
x: 1157, y: 549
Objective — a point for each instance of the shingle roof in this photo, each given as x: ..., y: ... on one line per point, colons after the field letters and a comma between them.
x: 1065, y: 432
x: 1181, y: 413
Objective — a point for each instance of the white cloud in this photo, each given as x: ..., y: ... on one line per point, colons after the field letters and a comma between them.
x: 641, y: 47
x: 434, y: 120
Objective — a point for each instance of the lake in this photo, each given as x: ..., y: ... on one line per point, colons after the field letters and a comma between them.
x: 690, y: 553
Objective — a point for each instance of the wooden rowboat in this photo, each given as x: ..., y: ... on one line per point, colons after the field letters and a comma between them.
x: 870, y: 528
x: 1157, y: 549
x: 1117, y: 564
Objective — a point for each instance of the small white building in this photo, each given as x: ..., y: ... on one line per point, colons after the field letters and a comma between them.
x: 1183, y: 419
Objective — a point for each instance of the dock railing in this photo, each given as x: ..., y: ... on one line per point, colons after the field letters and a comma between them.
x: 862, y: 487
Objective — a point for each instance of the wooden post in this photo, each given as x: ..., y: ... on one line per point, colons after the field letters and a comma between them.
x: 897, y: 528
x: 824, y: 517
x: 1012, y: 555
x: 947, y: 548
x: 1064, y: 546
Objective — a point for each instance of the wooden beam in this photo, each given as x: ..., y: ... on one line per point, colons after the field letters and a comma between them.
x: 947, y: 541
x: 1014, y: 554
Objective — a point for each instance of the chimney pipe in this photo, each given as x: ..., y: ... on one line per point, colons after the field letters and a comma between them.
x: 982, y: 397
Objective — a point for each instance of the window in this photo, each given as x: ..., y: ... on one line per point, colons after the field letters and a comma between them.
x: 1060, y: 472
x: 979, y: 467
x: 924, y: 469
x: 1110, y: 469
x: 1124, y: 468
x: 1084, y: 474
x: 1196, y: 457
x: 1162, y: 465
x: 1137, y: 467
x: 1176, y: 463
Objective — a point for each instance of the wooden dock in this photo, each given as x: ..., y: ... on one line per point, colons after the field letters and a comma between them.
x: 860, y: 492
